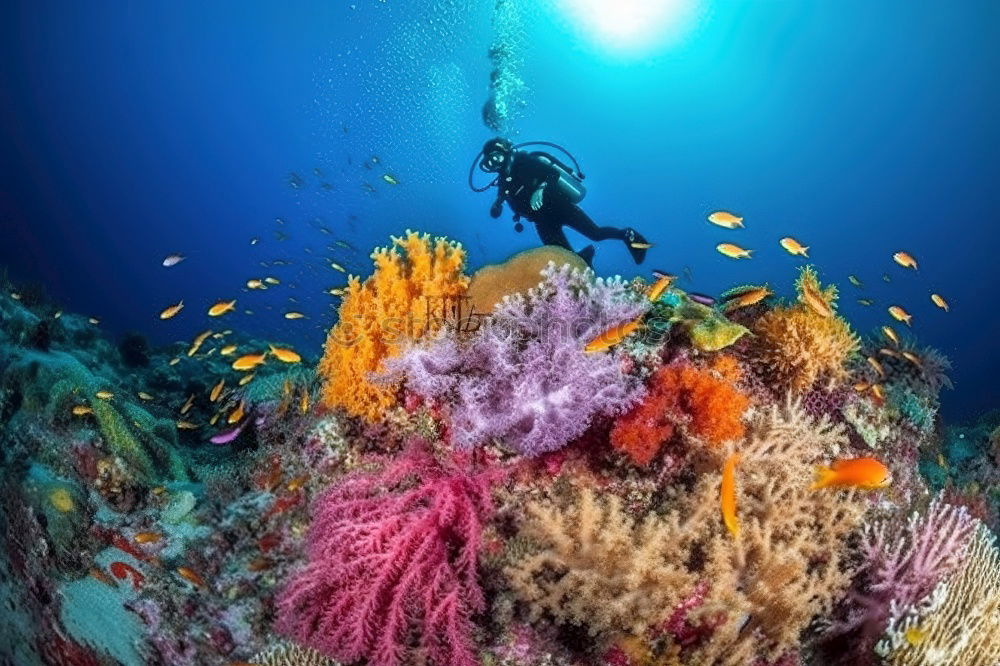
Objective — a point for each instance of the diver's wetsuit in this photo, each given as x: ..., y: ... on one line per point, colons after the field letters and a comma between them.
x: 520, y: 179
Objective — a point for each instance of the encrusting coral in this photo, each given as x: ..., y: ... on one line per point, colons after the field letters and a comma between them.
x: 490, y: 284
x: 798, y: 346
x: 416, y: 284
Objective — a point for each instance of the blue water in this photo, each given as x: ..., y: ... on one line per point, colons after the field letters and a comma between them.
x: 859, y: 128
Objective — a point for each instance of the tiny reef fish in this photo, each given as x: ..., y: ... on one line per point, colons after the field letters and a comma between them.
x: 613, y: 336
x: 337, y: 267
x: 248, y: 361
x: 82, y: 410
x: 173, y: 260
x: 733, y: 251
x: 890, y: 334
x: 726, y: 220
x: 899, y: 314
x: 272, y: 280
x: 105, y: 395
x: 876, y: 366
x: 878, y: 394
x: 186, y: 407
x: 246, y: 379
x: 727, y: 494
x: 912, y: 358
x: 198, y: 341
x: 187, y: 425
x: 905, y: 260
x: 236, y: 415
x: 304, y: 402
x: 389, y: 178
x: 815, y: 301
x: 294, y: 315
x: 191, y: 576
x: 227, y: 350
x: 792, y: 246
x: 866, y: 473
x: 173, y: 361
x: 285, y: 355
x: 660, y: 286
x: 144, y: 396
x: 217, y: 390
x: 745, y: 297
x: 94, y: 320
x: 853, y: 279
x: 147, y: 537
x: 172, y: 311
x: 939, y: 301
x: 865, y: 301
x: 255, y: 284
x: 221, y: 308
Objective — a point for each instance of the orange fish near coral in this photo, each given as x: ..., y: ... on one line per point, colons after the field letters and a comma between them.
x: 899, y: 314
x: 939, y: 301
x: 197, y: 343
x: 613, y: 336
x: 733, y: 251
x: 792, y: 246
x: 660, y: 286
x: 888, y: 332
x: 727, y: 494
x: 815, y: 301
x: 190, y: 575
x: 248, y: 362
x: 285, y: 355
x: 867, y: 473
x: 743, y: 297
x: 172, y: 311
x: 236, y: 415
x: 217, y: 390
x: 726, y: 220
x: 147, y: 537
x: 905, y: 260
x: 221, y: 308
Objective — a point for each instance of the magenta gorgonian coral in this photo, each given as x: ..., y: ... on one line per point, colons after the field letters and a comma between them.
x: 902, y: 566
x: 392, y: 568
x: 524, y: 377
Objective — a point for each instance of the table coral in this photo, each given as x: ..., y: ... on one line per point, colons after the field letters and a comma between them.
x: 416, y: 282
x: 798, y: 346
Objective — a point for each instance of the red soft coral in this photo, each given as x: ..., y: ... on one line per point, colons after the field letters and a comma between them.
x: 709, y: 404
x: 392, y: 569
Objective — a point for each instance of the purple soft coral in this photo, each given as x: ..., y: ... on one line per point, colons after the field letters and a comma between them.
x: 525, y: 378
x: 392, y: 560
x: 902, y: 567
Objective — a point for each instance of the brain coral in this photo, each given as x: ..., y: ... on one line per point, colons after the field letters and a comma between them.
x: 797, y: 346
x: 416, y: 282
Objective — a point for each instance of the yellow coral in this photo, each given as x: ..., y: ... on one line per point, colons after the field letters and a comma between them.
x: 62, y: 500
x: 416, y: 285
x: 517, y: 274
x: 799, y: 346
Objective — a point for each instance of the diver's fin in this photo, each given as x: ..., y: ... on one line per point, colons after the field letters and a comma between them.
x: 587, y: 254
x: 637, y: 245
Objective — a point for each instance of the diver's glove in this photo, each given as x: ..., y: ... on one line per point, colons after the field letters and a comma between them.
x: 537, y: 198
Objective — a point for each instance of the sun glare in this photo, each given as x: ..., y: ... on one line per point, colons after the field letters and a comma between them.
x: 634, y: 27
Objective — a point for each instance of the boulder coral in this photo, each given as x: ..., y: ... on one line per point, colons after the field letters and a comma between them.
x: 416, y: 284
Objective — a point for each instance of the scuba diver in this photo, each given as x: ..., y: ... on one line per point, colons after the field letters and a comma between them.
x: 541, y: 188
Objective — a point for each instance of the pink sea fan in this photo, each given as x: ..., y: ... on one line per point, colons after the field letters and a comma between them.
x: 903, y: 566
x: 524, y: 378
x: 392, y: 568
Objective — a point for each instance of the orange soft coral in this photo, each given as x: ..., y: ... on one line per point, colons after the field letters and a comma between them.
x: 705, y: 400
x: 416, y: 282
x: 797, y: 346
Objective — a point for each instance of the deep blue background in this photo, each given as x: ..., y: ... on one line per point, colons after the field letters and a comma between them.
x: 860, y: 128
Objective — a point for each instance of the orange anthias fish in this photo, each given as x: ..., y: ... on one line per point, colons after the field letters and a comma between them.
x: 867, y: 473
x: 726, y: 220
x: 733, y: 251
x: 745, y: 297
x: 221, y: 308
x: 191, y: 575
x: 815, y: 301
x: 939, y: 301
x: 172, y: 311
x: 792, y: 246
x: 905, y: 260
x: 216, y: 391
x: 198, y: 342
x: 899, y: 314
x: 236, y: 415
x: 613, y: 336
x: 660, y: 286
x: 227, y: 350
x: 285, y: 355
x: 727, y: 494
x: 889, y: 333
x: 248, y: 362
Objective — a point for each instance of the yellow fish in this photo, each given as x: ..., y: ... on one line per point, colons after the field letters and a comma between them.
x: 198, y: 342
x: 105, y: 395
x: 913, y: 358
x: 733, y: 251
x: 215, y: 418
x: 389, y: 178
x: 216, y: 391
x: 337, y: 267
x: 272, y: 280
x: 82, y: 410
x: 888, y: 352
x: 939, y: 301
x: 173, y: 361
x: 221, y: 308
x: 889, y: 333
x: 172, y: 311
x: 853, y: 279
x: 187, y: 425
x: 878, y: 394
x: 727, y: 220
x: 727, y: 494
x: 815, y: 301
x: 236, y: 415
x: 861, y: 387
x: 613, y: 336
x: 304, y: 402
x: 147, y: 537
x: 743, y: 298
x: 873, y: 362
x: 248, y: 361
x: 899, y: 314
x: 255, y: 284
x: 227, y: 350
x: 660, y: 286
x: 867, y: 473
x: 285, y: 355
x: 336, y: 291
x: 246, y: 379
x: 792, y: 246
x: 294, y: 315
x: 905, y: 260
x: 186, y: 407
x: 144, y: 396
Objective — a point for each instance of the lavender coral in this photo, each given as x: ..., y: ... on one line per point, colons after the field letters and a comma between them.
x: 525, y: 378
x: 393, y: 560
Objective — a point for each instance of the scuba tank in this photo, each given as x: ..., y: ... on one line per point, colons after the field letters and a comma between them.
x: 569, y: 184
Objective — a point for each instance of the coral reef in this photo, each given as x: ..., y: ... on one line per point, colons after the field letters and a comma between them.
x: 491, y: 283
x: 416, y: 283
